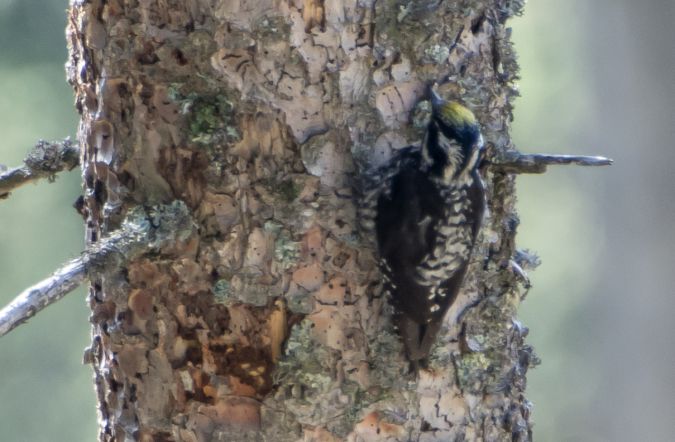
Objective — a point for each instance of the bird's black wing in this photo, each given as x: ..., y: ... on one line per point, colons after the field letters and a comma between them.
x: 405, y: 227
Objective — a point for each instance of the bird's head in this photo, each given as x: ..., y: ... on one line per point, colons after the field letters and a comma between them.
x: 453, y: 141
x: 454, y: 120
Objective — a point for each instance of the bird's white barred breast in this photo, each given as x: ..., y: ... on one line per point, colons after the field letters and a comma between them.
x: 452, y: 245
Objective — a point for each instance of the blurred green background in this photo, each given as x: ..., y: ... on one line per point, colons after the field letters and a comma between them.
x: 46, y: 394
x: 597, y: 78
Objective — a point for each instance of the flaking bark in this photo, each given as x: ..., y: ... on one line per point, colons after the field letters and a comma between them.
x: 269, y: 323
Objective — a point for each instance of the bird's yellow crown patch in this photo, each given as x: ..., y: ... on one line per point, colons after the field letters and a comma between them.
x: 454, y: 114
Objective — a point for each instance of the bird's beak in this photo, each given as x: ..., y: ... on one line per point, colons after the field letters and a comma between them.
x: 436, y: 101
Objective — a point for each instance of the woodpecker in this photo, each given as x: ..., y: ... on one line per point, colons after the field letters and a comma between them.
x: 426, y: 206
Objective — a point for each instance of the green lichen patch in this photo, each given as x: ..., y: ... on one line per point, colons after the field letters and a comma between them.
x: 299, y: 301
x: 211, y: 118
x: 493, y: 352
x: 222, y: 290
x: 303, y: 368
x: 308, y: 384
x: 385, y: 374
x: 272, y: 29
x: 288, y: 190
x: 242, y: 288
x: 474, y: 371
x: 437, y: 53
x: 286, y: 251
x: 285, y: 188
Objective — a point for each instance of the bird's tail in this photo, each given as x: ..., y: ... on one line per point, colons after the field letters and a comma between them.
x: 417, y: 338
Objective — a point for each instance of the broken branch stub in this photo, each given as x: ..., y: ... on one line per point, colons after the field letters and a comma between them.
x: 45, y: 160
x: 516, y: 162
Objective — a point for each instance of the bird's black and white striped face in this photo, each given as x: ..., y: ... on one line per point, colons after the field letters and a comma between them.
x: 453, y: 143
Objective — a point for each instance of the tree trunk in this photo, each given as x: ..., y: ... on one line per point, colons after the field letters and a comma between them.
x: 268, y: 324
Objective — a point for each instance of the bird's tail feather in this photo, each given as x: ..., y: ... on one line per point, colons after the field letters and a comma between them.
x: 417, y: 338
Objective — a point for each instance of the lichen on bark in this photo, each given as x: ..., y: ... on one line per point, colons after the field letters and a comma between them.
x: 269, y: 324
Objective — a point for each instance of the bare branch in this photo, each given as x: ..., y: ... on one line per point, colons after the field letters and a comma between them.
x: 516, y: 162
x: 141, y: 232
x: 47, y: 292
x: 44, y: 161
x: 123, y: 242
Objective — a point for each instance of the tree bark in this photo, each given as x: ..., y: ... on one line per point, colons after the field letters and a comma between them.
x: 268, y: 323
